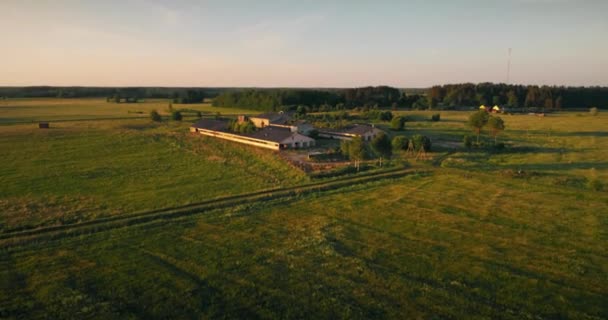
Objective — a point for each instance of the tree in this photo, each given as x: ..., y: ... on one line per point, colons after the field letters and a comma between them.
x: 421, y: 141
x: 176, y: 116
x: 512, y: 99
x: 354, y: 149
x: 154, y: 116
x: 496, y: 125
x: 496, y: 100
x: 398, y: 123
x: 477, y: 121
x: 399, y: 143
x: 381, y: 145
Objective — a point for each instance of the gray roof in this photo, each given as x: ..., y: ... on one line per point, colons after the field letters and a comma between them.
x: 276, y: 117
x: 212, y: 124
x: 275, y: 134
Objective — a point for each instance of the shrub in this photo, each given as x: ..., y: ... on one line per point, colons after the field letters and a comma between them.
x: 199, y: 114
x: 595, y: 185
x: 381, y: 145
x: 386, y: 116
x: 593, y: 111
x: 399, y: 143
x: 155, y: 116
x: 176, y: 116
x: 421, y: 141
x: 398, y: 123
x: 436, y: 117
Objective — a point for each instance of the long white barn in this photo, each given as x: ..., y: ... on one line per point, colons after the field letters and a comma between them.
x: 274, y: 138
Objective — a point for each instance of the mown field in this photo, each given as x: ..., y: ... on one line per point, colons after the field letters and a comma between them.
x: 516, y: 234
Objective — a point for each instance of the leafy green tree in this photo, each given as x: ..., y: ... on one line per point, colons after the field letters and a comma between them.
x: 421, y: 141
x: 512, y: 99
x: 399, y: 143
x: 381, y: 145
x: 354, y: 149
x: 398, y: 123
x: 155, y: 116
x: 176, y: 116
x: 477, y: 121
x: 496, y: 125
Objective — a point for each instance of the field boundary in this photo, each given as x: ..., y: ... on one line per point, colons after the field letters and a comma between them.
x: 53, y: 232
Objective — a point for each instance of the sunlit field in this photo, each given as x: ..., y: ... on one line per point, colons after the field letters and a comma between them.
x: 483, y: 233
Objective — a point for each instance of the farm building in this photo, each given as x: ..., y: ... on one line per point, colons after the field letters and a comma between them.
x: 271, y: 118
x: 275, y: 138
x: 365, y: 131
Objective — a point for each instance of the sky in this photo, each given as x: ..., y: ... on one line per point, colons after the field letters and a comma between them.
x: 348, y: 43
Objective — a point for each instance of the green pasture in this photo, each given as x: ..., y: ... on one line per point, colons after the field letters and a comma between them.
x: 77, y: 171
x: 50, y: 109
x: 516, y: 233
x: 445, y: 246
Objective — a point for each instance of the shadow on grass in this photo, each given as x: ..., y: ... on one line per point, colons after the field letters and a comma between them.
x: 557, y: 166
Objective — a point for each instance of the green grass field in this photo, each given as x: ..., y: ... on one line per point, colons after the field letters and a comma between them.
x: 516, y: 234
x: 45, y: 109
x: 77, y: 171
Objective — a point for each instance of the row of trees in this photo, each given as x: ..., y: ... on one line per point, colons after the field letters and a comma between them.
x: 478, y: 120
x: 313, y: 100
x: 382, y: 146
x: 516, y: 96
x: 111, y: 92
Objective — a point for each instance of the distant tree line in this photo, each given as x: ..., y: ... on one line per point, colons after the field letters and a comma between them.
x: 178, y: 95
x: 516, y: 96
x: 314, y: 100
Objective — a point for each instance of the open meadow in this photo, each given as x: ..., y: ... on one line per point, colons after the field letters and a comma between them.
x: 516, y: 233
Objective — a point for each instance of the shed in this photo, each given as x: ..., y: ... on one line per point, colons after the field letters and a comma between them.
x: 43, y: 125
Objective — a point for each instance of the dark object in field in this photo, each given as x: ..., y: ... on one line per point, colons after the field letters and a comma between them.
x: 43, y: 125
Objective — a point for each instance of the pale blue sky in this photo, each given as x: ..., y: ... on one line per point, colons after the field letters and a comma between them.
x: 302, y: 43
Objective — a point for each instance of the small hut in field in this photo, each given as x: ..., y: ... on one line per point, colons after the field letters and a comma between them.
x: 43, y: 125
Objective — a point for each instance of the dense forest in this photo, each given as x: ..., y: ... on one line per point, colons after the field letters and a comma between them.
x: 516, y: 96
x: 114, y: 94
x: 451, y: 96
x: 316, y: 99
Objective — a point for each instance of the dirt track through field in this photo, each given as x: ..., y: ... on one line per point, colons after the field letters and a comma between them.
x: 15, y: 238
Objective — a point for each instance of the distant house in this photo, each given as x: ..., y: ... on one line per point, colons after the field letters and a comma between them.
x: 365, y: 131
x: 276, y: 118
x: 274, y: 138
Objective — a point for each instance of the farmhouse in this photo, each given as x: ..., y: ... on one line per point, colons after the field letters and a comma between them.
x: 365, y: 131
x: 274, y: 138
x: 271, y: 118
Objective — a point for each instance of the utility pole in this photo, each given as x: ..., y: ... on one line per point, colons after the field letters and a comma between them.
x: 509, y: 66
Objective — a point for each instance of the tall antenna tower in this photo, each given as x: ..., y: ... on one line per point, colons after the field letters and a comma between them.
x: 509, y: 66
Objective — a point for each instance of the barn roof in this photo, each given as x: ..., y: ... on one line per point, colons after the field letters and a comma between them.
x: 275, y: 134
x: 211, y: 124
x: 276, y: 117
